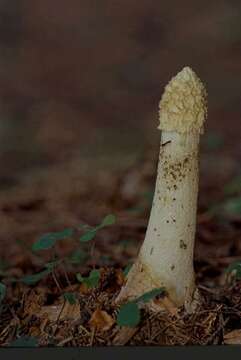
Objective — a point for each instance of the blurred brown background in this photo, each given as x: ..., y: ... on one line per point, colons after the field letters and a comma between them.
x: 80, y: 83
x: 81, y: 80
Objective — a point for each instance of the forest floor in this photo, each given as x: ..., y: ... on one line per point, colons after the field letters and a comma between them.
x: 60, y: 272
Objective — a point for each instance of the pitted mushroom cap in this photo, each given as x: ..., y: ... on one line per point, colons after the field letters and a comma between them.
x: 183, y: 106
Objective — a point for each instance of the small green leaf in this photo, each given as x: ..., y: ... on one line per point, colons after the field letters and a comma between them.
x: 92, y: 280
x: 150, y: 295
x: 108, y: 220
x: 78, y: 257
x: 2, y: 292
x: 129, y: 315
x: 24, y: 341
x: 88, y: 236
x: 236, y: 268
x: 33, y: 279
x: 47, y: 241
x: 91, y: 233
x: 65, y: 234
x: 80, y: 278
x: 127, y: 269
x: 233, y: 206
x: 70, y: 297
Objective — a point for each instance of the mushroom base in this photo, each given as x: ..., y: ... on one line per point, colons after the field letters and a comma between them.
x: 142, y: 280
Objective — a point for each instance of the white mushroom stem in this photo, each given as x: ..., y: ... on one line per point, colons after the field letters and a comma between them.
x: 166, y: 256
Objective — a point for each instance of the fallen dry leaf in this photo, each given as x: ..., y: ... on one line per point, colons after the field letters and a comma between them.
x: 70, y: 312
x: 83, y: 289
x: 35, y: 331
x: 167, y: 304
x: 120, y: 277
x: 101, y: 320
x: 124, y: 335
x: 51, y: 311
x: 209, y: 322
x: 32, y: 304
x: 61, y: 312
x: 233, y: 337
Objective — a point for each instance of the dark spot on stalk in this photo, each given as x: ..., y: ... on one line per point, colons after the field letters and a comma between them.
x: 167, y: 142
x: 151, y: 251
x: 183, y: 245
x: 172, y: 267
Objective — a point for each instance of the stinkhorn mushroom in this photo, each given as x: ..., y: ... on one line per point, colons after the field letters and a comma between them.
x: 166, y: 256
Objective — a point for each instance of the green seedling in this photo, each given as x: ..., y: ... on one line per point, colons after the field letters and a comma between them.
x: 92, y: 280
x: 47, y: 241
x: 70, y: 298
x: 91, y: 233
x: 25, y: 341
x: 129, y: 313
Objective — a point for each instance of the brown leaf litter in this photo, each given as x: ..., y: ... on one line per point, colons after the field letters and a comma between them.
x: 91, y: 321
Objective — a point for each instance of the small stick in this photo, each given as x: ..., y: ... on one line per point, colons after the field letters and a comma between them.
x: 56, y: 281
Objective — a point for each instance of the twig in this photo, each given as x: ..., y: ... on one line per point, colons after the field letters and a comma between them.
x: 92, y: 250
x: 84, y: 329
x: 92, y: 336
x: 65, y: 341
x: 56, y: 281
x: 66, y: 277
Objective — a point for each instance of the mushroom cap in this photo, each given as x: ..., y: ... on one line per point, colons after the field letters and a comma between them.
x: 183, y: 106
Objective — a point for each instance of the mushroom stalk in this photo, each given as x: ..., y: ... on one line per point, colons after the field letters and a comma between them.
x: 166, y: 256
